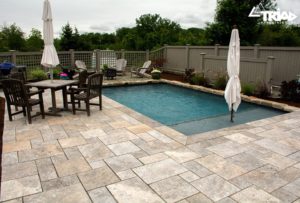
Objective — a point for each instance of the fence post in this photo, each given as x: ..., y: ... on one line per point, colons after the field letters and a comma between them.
x: 98, y: 60
x: 147, y: 54
x: 165, y: 55
x: 187, y: 55
x: 202, y: 64
x: 13, y: 56
x: 217, y: 49
x: 268, y: 74
x: 256, y: 51
x: 72, y: 57
x: 123, y: 53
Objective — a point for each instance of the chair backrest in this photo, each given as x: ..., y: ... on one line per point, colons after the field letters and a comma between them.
x: 80, y: 64
x: 18, y: 76
x: 83, y: 75
x: 145, y: 67
x: 94, y: 85
x: 147, y: 64
x: 119, y: 64
x: 124, y: 64
x: 15, y: 92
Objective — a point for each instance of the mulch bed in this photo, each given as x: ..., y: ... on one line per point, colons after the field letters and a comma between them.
x: 291, y: 103
x: 171, y: 76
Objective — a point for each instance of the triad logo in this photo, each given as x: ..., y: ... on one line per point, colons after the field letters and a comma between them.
x: 269, y: 16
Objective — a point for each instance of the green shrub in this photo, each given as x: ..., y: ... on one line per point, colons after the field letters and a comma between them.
x: 104, y: 67
x: 38, y: 74
x: 56, y: 73
x: 189, y: 74
x: 290, y: 90
x: 220, y: 82
x: 199, y: 79
x: 248, y: 89
x: 262, y: 90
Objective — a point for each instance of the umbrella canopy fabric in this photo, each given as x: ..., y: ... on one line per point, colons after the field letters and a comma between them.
x: 49, y: 58
x: 233, y: 88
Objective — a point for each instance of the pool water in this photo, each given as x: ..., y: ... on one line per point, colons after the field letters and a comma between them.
x: 185, y: 110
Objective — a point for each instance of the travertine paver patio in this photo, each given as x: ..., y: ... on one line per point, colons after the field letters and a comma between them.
x: 119, y: 155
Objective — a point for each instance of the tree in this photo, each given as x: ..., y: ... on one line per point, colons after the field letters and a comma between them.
x: 67, y: 40
x: 34, y: 42
x: 91, y: 40
x: 57, y: 43
x: 126, y: 38
x: 279, y: 34
x: 153, y: 31
x: 85, y: 42
x: 71, y: 39
x: 235, y: 12
x: 13, y: 38
x: 107, y: 40
x: 192, y: 36
x: 3, y: 44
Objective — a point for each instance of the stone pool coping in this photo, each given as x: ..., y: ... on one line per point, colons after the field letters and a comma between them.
x: 250, y: 99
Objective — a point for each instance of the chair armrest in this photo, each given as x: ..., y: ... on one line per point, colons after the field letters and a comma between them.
x: 72, y: 85
x: 75, y: 76
x: 133, y: 68
x: 139, y: 69
x: 35, y: 92
x: 78, y: 89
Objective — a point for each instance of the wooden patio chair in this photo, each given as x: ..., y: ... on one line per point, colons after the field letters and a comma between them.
x: 83, y: 75
x: 16, y: 94
x: 93, y: 90
x: 18, y: 76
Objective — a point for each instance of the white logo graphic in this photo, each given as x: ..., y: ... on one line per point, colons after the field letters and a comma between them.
x: 269, y: 16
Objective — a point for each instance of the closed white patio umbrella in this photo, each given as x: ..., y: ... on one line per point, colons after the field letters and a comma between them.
x: 233, y: 88
x: 49, y: 58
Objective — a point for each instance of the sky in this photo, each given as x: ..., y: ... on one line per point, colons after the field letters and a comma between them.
x: 109, y: 15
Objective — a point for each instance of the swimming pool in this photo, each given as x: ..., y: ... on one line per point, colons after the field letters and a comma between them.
x: 185, y: 110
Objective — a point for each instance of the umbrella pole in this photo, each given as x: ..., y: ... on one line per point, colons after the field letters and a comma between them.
x: 51, y: 74
x: 231, y: 114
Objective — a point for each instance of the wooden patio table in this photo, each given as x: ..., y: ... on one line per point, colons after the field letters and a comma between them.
x: 54, y: 85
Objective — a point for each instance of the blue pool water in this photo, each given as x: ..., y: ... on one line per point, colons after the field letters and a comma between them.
x: 186, y: 110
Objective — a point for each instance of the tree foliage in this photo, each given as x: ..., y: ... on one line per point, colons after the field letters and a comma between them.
x: 235, y: 12
x: 150, y: 31
x: 192, y: 36
x: 279, y: 34
x: 12, y: 38
x: 67, y: 38
x: 153, y: 31
x: 34, y: 42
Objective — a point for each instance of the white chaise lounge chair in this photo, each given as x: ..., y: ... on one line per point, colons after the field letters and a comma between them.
x: 141, y: 71
x: 120, y: 66
x: 80, y: 65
